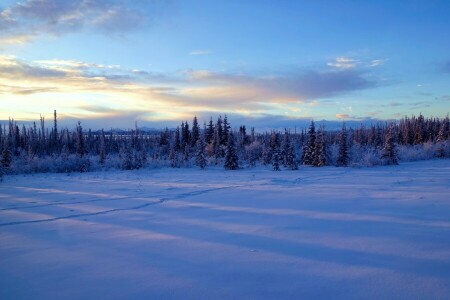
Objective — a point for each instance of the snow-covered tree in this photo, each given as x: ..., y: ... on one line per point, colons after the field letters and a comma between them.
x: 81, y: 150
x: 102, y: 148
x: 441, y: 142
x: 309, y: 146
x: 195, y: 132
x: 389, y: 152
x: 200, y: 159
x: 231, y: 159
x: 320, y: 149
x: 342, y: 160
x: 276, y: 160
x: 291, y: 162
x: 6, y: 155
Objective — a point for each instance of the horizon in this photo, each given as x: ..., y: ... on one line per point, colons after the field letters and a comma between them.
x: 110, y: 63
x: 294, y: 124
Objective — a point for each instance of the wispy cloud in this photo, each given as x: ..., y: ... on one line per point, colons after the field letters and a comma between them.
x: 299, y: 85
x: 26, y: 20
x: 178, y: 95
x: 200, y: 52
x: 343, y: 116
x: 377, y: 62
x: 344, y: 63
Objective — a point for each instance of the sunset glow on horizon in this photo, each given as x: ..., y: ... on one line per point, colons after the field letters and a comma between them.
x: 114, y: 62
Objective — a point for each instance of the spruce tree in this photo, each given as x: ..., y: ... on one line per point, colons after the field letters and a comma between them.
x: 173, y: 157
x: 217, y: 146
x: 285, y: 145
x: 441, y: 141
x: 389, y: 152
x: 219, y: 131
x: 102, y: 149
x: 127, y: 158
x: 342, y: 160
x: 186, y: 154
x: 177, y: 143
x: 320, y: 149
x: 226, y: 130
x: 209, y: 132
x: 231, y: 159
x: 276, y: 160
x: 195, y: 132
x: 81, y: 150
x: 200, y: 159
x: 309, y: 146
x: 6, y: 155
x: 291, y: 162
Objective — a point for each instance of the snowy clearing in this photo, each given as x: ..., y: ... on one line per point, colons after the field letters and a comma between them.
x: 376, y: 233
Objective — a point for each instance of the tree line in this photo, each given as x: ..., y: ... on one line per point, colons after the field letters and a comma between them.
x: 38, y: 148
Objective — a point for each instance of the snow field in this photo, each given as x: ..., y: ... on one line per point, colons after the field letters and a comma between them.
x: 340, y: 233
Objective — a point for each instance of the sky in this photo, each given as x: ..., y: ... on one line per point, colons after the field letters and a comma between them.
x: 110, y: 63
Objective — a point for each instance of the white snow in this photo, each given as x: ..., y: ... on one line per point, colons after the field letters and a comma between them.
x: 315, y: 233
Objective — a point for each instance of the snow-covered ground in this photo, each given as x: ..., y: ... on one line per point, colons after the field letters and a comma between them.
x: 316, y: 233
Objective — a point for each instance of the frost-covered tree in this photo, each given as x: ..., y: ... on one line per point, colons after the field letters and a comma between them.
x: 389, y: 152
x: 6, y: 155
x: 342, y: 160
x: 231, y: 159
x: 291, y: 162
x: 209, y: 134
x: 320, y: 149
x: 309, y: 146
x: 226, y: 130
x: 127, y: 158
x: 284, y: 149
x: 41, y: 149
x: 200, y: 159
x: 173, y: 157
x: 177, y: 142
x: 195, y: 132
x: 102, y: 148
x: 81, y: 150
x: 441, y: 142
x: 276, y: 160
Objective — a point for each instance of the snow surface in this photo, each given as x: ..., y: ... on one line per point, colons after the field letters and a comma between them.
x: 315, y: 233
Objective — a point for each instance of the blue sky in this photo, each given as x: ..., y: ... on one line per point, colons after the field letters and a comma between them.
x: 270, y: 63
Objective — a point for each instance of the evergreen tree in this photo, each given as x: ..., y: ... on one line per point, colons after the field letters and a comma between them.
x: 173, y: 157
x: 441, y: 141
x: 187, y: 134
x: 200, y: 159
x: 320, y: 149
x: 226, y: 130
x: 6, y: 155
x: 177, y: 143
x: 195, y: 132
x: 81, y: 150
x: 342, y: 160
x: 291, y: 159
x: 276, y: 160
x: 231, y: 159
x: 127, y: 158
x: 309, y: 146
x: 209, y: 132
x: 143, y: 156
x: 217, y: 146
x: 285, y: 145
x: 389, y: 152
x: 186, y: 153
x: 102, y: 149
x: 55, y: 133
x: 219, y: 132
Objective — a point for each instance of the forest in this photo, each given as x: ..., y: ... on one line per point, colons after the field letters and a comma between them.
x: 41, y: 148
